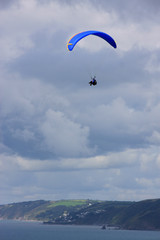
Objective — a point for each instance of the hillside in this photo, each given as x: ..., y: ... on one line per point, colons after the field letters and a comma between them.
x: 143, y: 215
x: 41, y: 210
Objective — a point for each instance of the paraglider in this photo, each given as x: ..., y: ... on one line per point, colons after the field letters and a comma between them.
x: 93, y: 81
x: 77, y: 37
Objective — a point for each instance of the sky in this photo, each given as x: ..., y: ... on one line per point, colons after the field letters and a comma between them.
x: 61, y: 138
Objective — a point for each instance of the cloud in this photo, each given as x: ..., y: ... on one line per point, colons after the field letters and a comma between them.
x: 124, y: 159
x: 148, y: 183
x: 63, y: 136
x: 54, y: 127
x: 154, y: 138
x: 39, y: 119
x: 153, y: 65
x: 7, y: 3
x: 17, y: 36
x: 131, y: 172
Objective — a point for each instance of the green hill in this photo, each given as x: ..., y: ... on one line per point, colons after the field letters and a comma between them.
x: 143, y: 215
x: 41, y: 210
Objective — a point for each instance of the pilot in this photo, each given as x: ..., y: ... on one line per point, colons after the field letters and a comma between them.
x: 93, y: 81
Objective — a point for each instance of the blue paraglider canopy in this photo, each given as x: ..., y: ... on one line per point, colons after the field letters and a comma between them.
x: 77, y: 37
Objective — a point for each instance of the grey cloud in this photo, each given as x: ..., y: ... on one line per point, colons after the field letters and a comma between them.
x: 7, y: 3
x: 135, y: 10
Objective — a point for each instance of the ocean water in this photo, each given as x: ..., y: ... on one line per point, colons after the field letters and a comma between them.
x: 17, y: 230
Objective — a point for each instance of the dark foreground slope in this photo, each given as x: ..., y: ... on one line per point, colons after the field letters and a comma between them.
x: 143, y: 215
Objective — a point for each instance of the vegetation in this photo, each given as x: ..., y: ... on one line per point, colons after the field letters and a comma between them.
x: 125, y: 215
x: 67, y: 203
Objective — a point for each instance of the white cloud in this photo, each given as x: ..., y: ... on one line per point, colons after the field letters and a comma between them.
x: 132, y: 36
x: 63, y: 136
x: 120, y: 176
x: 125, y: 159
x: 154, y: 138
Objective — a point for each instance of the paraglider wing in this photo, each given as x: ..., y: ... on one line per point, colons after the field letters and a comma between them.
x: 76, y: 38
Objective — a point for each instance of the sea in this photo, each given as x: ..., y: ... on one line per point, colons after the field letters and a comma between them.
x: 20, y: 230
